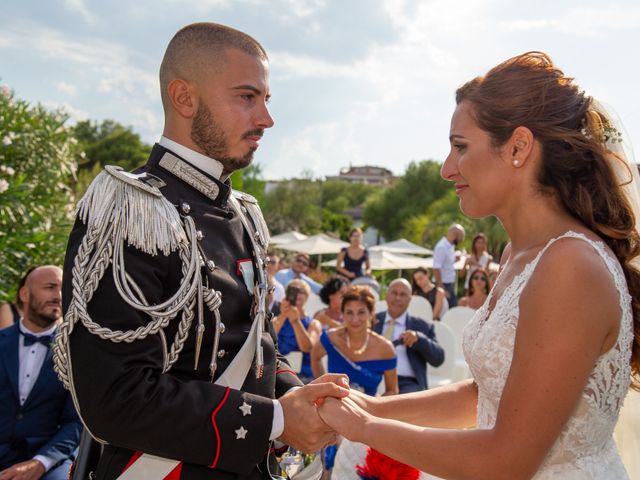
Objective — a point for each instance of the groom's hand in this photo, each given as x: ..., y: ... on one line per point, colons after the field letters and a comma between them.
x: 303, y: 428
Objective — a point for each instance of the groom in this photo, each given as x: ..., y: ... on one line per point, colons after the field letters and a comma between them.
x: 215, y: 86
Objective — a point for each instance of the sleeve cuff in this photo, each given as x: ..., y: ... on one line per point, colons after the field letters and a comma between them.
x: 277, y: 427
x: 45, y: 461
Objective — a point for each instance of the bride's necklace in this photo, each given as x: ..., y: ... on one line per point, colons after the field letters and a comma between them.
x: 361, y: 350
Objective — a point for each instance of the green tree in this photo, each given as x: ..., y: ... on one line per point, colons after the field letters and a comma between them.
x: 249, y: 180
x: 390, y: 209
x: 336, y: 223
x: 294, y: 205
x: 37, y: 163
x: 106, y: 143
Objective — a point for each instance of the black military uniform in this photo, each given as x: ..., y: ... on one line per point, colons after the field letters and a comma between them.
x: 122, y: 394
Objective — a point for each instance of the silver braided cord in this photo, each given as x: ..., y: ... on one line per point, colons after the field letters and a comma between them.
x: 103, y: 245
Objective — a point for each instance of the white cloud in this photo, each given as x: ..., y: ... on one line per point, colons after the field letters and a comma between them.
x: 75, y: 114
x: 79, y: 7
x: 112, y: 61
x: 67, y: 88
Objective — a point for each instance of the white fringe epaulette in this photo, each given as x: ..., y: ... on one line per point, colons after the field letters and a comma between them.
x: 149, y: 222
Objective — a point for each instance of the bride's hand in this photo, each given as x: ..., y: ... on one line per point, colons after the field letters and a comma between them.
x: 365, y: 402
x: 345, y: 417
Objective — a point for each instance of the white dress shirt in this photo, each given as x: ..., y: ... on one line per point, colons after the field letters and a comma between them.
x: 30, y: 360
x: 444, y: 259
x: 403, y: 367
x: 214, y: 168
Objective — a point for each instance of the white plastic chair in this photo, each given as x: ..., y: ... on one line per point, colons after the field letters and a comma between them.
x: 421, y: 308
x: 295, y: 360
x: 313, y: 305
x: 457, y: 318
x: 444, y: 374
x: 381, y: 306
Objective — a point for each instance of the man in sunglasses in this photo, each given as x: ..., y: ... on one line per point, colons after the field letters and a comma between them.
x: 298, y: 269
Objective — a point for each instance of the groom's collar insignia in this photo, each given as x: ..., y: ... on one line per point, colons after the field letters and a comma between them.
x: 189, y: 175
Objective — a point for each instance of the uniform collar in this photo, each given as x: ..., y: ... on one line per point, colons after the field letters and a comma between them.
x: 208, y: 165
x: 202, y: 181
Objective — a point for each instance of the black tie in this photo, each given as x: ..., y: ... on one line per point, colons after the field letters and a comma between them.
x: 31, y: 339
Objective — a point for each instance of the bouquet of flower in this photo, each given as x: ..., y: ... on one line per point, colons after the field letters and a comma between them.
x: 380, y: 467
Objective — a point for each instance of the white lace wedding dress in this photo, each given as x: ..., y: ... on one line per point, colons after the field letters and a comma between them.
x: 585, y: 448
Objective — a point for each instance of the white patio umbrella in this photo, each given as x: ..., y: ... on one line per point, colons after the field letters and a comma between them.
x: 402, y: 246
x: 385, y: 260
x: 287, y: 237
x: 315, y: 245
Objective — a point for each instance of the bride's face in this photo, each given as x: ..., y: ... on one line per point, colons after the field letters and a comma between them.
x: 480, y: 172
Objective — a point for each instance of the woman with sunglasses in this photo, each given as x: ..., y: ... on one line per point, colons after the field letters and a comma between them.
x: 478, y: 290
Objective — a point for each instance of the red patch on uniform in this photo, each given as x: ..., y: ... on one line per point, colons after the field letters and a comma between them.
x: 238, y: 263
x: 215, y: 427
x: 287, y: 371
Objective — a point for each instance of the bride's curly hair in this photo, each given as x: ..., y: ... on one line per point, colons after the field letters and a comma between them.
x: 529, y: 90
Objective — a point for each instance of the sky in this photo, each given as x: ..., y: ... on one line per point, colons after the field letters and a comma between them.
x: 353, y: 82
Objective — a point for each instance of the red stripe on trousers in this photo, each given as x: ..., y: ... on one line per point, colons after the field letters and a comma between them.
x: 175, y: 473
x: 215, y: 428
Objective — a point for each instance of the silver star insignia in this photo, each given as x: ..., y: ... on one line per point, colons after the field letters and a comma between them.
x: 241, y: 433
x: 245, y: 408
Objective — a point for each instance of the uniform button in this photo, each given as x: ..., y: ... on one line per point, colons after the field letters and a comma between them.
x: 199, y: 235
x: 222, y: 328
x: 211, y: 265
x: 221, y: 353
x: 185, y: 208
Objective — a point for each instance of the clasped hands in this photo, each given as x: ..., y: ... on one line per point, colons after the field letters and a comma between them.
x: 315, y: 413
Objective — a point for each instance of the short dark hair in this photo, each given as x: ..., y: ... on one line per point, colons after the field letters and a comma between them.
x: 359, y: 293
x: 22, y: 283
x: 198, y: 47
x: 331, y: 286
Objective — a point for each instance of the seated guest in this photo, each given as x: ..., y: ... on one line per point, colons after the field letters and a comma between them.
x: 331, y: 295
x: 296, y: 331
x: 354, y: 349
x: 298, y: 270
x: 415, y: 338
x: 422, y: 285
x: 39, y: 427
x: 478, y: 290
x: 11, y: 312
x: 353, y: 261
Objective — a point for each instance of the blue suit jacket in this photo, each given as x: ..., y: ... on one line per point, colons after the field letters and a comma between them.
x: 47, y: 423
x: 425, y: 350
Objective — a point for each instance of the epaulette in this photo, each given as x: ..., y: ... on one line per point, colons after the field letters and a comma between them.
x: 135, y: 207
x: 250, y: 206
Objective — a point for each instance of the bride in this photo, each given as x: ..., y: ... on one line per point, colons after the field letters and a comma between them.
x: 551, y: 348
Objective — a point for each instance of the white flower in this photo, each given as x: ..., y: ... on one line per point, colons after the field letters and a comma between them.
x: 4, y: 185
x: 5, y: 91
x: 7, y: 140
x: 30, y: 245
x: 7, y: 170
x: 83, y: 155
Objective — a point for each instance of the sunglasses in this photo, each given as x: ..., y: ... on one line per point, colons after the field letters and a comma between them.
x: 302, y: 261
x: 271, y: 262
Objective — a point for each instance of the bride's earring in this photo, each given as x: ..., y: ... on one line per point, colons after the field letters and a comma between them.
x: 516, y: 163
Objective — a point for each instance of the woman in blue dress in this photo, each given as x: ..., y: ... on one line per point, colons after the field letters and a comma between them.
x: 356, y: 350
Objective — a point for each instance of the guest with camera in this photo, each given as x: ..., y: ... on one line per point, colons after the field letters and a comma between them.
x: 296, y: 331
